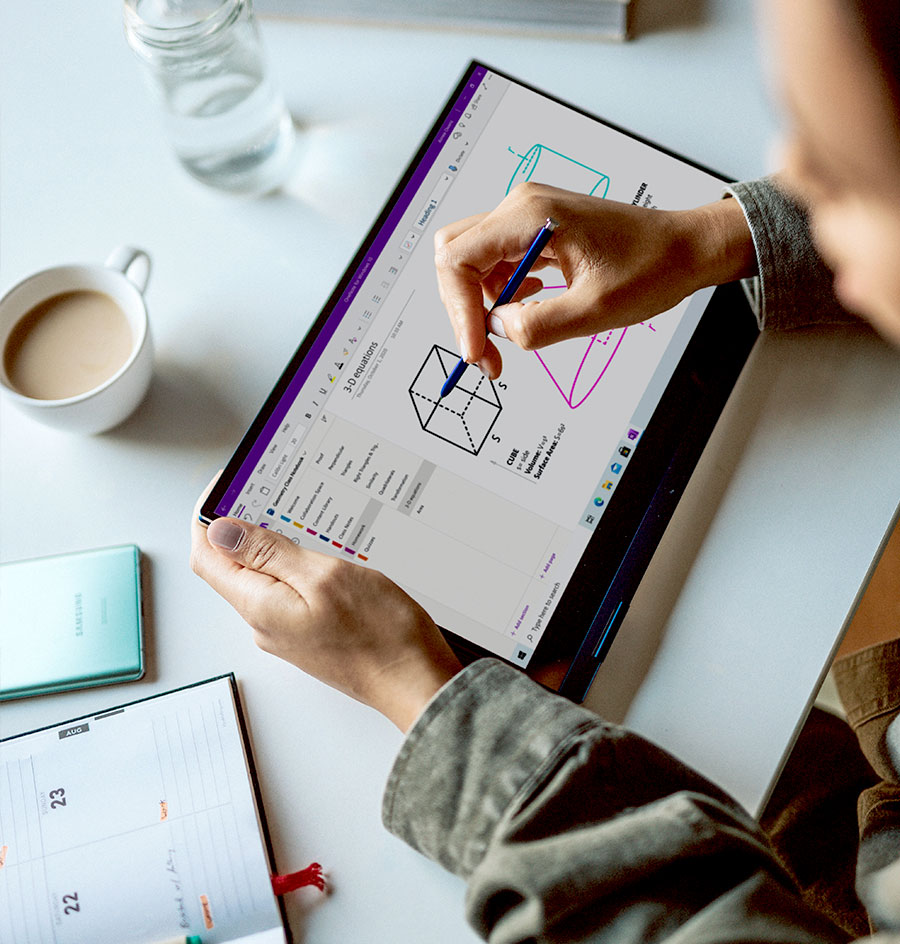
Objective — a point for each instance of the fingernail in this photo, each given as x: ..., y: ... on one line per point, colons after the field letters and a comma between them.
x: 225, y: 534
x: 497, y: 326
x: 463, y: 350
x: 484, y: 367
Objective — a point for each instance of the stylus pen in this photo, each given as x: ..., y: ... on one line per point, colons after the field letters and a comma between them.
x: 506, y: 296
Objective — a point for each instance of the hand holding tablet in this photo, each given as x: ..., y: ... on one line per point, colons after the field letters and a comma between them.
x: 347, y: 626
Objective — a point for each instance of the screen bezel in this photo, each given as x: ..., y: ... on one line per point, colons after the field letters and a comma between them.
x: 596, y: 598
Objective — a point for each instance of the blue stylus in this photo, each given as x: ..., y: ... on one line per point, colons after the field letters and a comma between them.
x: 506, y: 296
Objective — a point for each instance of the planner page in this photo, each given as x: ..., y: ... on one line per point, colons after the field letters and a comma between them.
x: 134, y: 825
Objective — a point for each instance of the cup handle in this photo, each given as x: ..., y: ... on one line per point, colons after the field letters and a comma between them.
x: 125, y: 259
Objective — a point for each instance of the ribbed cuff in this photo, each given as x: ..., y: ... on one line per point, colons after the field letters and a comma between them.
x: 794, y: 287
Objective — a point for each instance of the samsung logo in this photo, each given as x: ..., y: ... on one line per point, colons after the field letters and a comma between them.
x: 79, y: 615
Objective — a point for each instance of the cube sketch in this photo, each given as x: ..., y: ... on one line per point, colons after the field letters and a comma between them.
x: 466, y: 416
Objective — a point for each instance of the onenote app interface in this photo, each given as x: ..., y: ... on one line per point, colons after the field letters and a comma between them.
x: 479, y: 504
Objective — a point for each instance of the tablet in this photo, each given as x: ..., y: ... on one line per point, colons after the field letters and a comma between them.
x: 521, y: 513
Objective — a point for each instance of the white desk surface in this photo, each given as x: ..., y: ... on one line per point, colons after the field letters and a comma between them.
x: 737, y: 618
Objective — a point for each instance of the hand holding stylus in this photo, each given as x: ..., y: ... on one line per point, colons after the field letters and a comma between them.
x: 622, y: 264
x: 512, y: 286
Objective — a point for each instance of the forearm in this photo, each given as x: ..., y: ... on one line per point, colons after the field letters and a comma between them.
x: 718, y: 245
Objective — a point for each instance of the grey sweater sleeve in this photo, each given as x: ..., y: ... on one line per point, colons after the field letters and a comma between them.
x: 567, y: 828
x: 794, y: 286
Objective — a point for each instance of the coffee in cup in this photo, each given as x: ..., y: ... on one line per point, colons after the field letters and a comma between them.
x: 76, y: 344
x: 66, y: 345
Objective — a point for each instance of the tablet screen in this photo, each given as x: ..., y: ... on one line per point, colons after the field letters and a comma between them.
x: 481, y: 504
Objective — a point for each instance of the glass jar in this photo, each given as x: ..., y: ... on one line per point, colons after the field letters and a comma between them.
x: 225, y: 118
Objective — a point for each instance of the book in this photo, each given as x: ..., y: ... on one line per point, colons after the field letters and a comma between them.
x: 592, y: 19
x: 137, y: 824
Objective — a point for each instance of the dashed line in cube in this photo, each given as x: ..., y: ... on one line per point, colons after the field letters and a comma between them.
x: 465, y: 417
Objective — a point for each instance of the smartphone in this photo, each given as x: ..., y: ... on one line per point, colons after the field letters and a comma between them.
x: 70, y: 621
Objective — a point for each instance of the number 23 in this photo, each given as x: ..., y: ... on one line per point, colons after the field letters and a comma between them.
x: 60, y: 798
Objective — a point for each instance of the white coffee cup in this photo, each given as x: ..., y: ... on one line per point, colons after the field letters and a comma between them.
x: 123, y: 278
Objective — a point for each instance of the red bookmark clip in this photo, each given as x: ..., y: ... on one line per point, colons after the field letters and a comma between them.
x: 311, y: 875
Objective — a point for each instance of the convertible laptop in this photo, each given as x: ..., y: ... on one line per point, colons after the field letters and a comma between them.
x: 521, y: 513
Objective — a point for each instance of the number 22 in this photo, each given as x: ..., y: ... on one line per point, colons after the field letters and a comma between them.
x: 74, y: 906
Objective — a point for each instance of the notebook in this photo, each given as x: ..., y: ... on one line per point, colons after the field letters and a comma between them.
x: 138, y: 824
x: 596, y: 19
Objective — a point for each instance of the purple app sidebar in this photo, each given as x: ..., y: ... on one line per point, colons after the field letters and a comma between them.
x: 340, y: 309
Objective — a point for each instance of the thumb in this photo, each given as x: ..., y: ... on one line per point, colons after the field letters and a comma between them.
x: 255, y: 548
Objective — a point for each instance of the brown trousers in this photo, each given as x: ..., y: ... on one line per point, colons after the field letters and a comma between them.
x: 839, y: 786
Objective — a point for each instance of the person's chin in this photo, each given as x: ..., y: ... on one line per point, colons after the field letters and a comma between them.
x: 881, y: 314
x: 888, y: 326
x: 852, y: 294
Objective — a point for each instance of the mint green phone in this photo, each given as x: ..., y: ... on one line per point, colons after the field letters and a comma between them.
x: 70, y: 621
